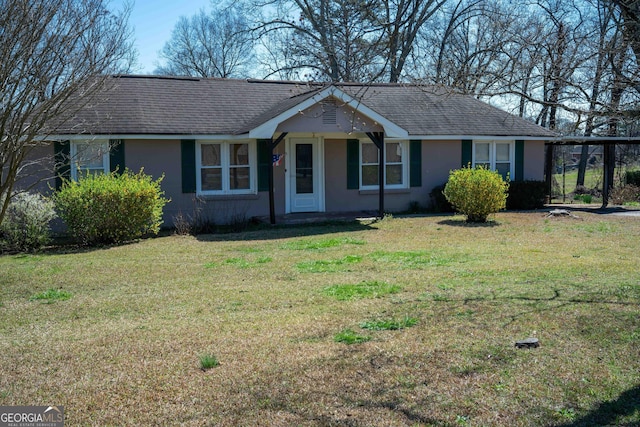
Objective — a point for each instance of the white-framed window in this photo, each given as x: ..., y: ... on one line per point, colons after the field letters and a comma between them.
x: 89, y: 157
x: 495, y: 155
x: 396, y: 171
x: 226, y: 167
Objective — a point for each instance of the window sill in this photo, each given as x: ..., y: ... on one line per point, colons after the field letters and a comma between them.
x: 386, y: 191
x: 222, y: 197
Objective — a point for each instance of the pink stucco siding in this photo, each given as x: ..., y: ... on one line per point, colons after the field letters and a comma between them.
x: 534, y: 160
x: 161, y: 157
x: 38, y: 176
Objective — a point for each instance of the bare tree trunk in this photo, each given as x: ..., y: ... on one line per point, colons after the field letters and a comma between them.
x: 582, y: 165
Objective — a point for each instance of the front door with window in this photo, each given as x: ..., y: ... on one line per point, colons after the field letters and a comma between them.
x: 304, y: 175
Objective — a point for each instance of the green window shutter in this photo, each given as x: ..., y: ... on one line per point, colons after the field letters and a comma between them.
x: 415, y: 163
x: 188, y: 155
x: 265, y: 161
x: 519, y: 167
x: 467, y: 152
x: 62, y: 157
x: 353, y: 164
x: 116, y: 155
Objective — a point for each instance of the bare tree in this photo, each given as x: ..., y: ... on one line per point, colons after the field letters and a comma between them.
x: 401, y: 24
x: 350, y: 40
x: 608, y: 35
x: 51, y: 50
x: 216, y: 44
x: 630, y: 13
x: 329, y: 39
x: 466, y: 49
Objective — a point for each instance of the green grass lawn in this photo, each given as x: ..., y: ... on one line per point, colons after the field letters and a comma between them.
x: 593, y: 179
x: 407, y: 321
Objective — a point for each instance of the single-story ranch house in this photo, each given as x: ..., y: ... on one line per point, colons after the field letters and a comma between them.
x: 255, y: 147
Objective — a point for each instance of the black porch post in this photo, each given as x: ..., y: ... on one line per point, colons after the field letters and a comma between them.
x: 378, y: 139
x: 272, y: 209
x: 548, y: 169
x: 609, y: 164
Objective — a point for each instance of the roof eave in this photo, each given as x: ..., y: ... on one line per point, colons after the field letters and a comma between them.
x: 84, y: 137
x: 478, y: 137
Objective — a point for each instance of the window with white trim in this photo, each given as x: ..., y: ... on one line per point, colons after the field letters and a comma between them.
x: 396, y: 171
x: 89, y: 158
x: 495, y: 155
x: 225, y: 167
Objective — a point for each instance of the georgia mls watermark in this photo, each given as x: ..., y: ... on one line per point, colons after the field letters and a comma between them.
x: 31, y: 416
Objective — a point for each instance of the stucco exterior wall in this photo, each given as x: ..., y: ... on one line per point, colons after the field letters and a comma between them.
x: 337, y: 197
x: 341, y: 199
x: 159, y: 157
x: 438, y: 159
x: 39, y: 175
x: 163, y: 157
x: 534, y: 160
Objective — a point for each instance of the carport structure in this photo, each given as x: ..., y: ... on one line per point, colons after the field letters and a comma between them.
x: 608, y: 158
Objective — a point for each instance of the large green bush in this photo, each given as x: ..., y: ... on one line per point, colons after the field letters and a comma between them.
x: 476, y: 192
x: 111, y: 208
x: 26, y: 224
x: 526, y: 194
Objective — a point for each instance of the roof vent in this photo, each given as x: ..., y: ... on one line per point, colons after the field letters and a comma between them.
x: 329, y: 112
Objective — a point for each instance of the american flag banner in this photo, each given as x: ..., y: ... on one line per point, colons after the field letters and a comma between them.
x: 277, y: 159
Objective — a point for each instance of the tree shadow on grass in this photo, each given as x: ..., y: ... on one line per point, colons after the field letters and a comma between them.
x: 556, y: 301
x: 607, y: 413
x: 268, y: 232
x: 463, y: 223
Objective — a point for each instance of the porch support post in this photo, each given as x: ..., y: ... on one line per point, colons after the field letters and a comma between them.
x: 272, y: 209
x: 548, y: 169
x: 378, y: 139
x: 609, y: 164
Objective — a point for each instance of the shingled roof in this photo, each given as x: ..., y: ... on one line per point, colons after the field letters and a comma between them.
x: 155, y: 105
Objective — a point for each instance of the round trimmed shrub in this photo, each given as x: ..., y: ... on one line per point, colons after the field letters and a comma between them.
x: 111, y: 208
x: 476, y: 192
x: 25, y: 226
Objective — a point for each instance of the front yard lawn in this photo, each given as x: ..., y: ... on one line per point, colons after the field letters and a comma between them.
x: 120, y: 335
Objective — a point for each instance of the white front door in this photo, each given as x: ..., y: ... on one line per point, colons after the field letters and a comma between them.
x: 305, y: 178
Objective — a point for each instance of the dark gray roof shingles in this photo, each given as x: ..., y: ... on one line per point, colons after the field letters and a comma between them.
x: 154, y: 105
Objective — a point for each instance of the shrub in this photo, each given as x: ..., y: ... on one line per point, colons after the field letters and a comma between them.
x: 633, y: 178
x: 182, y: 224
x: 439, y: 201
x: 526, y: 195
x: 111, y: 208
x: 586, y: 198
x: 476, y: 192
x: 26, y: 224
x: 626, y: 194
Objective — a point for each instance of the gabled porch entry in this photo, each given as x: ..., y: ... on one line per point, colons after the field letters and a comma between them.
x: 305, y: 171
x: 304, y: 175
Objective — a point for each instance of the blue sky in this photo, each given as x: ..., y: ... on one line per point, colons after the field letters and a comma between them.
x: 152, y: 22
